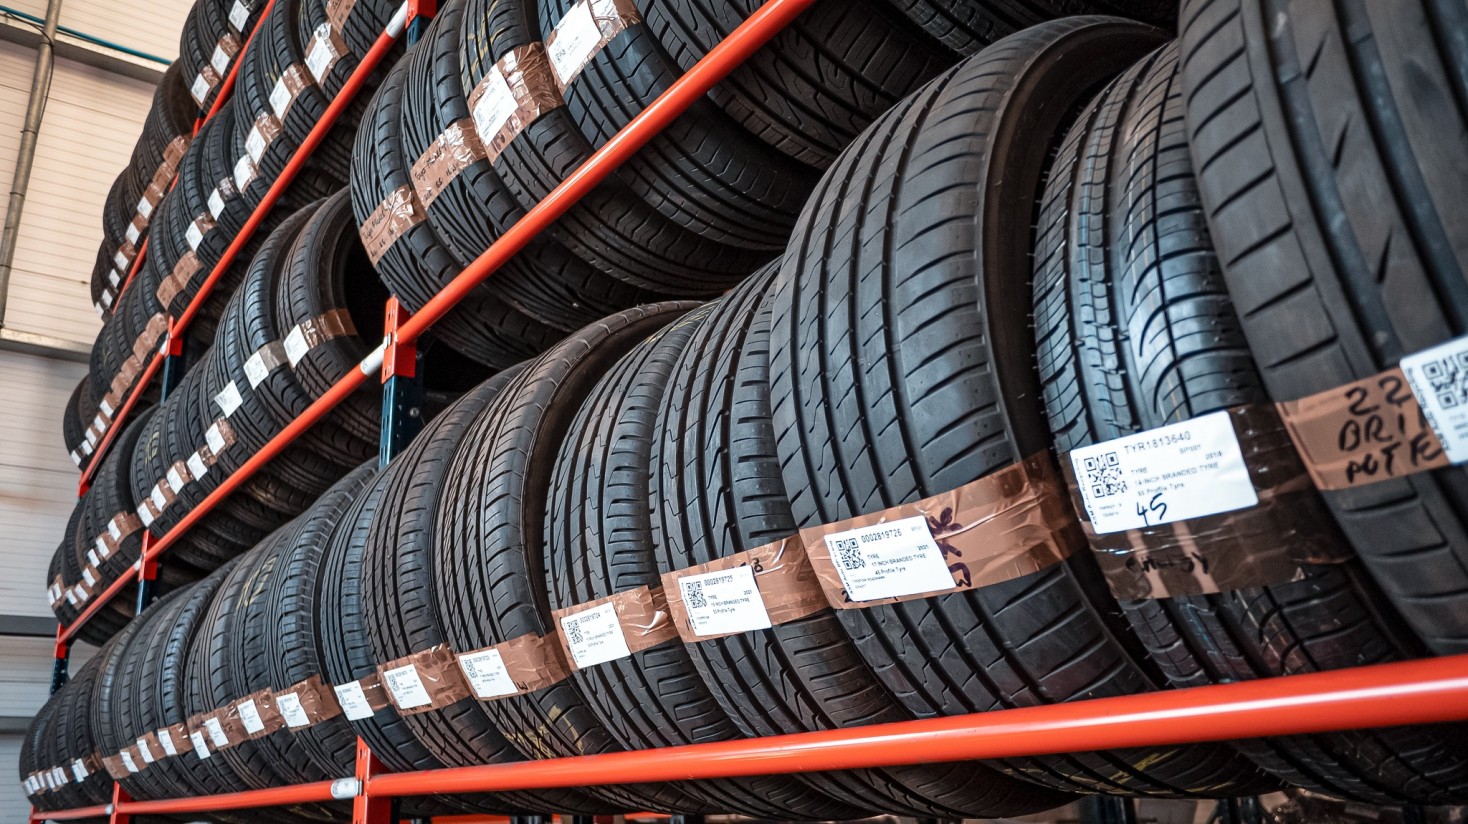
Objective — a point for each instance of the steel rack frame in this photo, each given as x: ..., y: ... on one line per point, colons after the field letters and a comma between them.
x: 1411, y: 692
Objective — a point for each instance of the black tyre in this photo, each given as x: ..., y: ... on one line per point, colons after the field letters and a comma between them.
x: 1135, y: 330
x: 1329, y: 142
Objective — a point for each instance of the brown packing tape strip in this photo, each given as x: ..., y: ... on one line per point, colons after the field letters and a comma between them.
x: 178, y: 734
x: 229, y: 44
x: 147, y: 342
x: 128, y: 250
x: 570, y: 56
x: 270, y: 718
x: 149, y: 748
x: 174, y: 151
x: 531, y: 662
x: 211, y: 81
x: 786, y: 584
x: 226, y: 434
x: 1006, y: 525
x: 268, y: 127
x: 337, y: 12
x: 398, y: 212
x: 131, y: 753
x: 432, y: 673
x: 375, y: 691
x: 229, y: 723
x: 312, y: 332
x: 1262, y: 545
x: 446, y: 157
x: 526, y: 72
x: 183, y: 272
x: 642, y: 614
x: 1367, y: 431
x: 115, y: 768
x: 324, y: 50
x: 317, y: 699
x: 295, y: 79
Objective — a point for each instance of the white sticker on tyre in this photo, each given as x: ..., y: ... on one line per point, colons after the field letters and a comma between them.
x: 1171, y: 473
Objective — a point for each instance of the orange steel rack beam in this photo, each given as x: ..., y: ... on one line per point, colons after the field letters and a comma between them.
x: 1411, y: 692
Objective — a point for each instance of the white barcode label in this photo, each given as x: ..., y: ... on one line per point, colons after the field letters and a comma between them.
x: 201, y: 748
x: 495, y: 106
x: 132, y: 233
x: 106, y: 407
x: 145, y: 751
x: 244, y: 172
x: 79, y: 770
x: 114, y: 530
x: 175, y: 479
x: 197, y: 467
x: 1439, y: 378
x: 216, y: 204
x: 199, y: 89
x: 321, y: 54
x: 214, y: 439
x: 158, y: 498
x: 406, y: 687
x: 1172, y: 473
x: 229, y: 399
x: 114, y: 277
x: 239, y: 15
x: 220, y: 60
x: 120, y: 260
x: 145, y: 514
x: 595, y: 636
x: 487, y: 674
x: 145, y: 207
x: 280, y: 98
x: 889, y: 560
x: 127, y: 761
x: 256, y: 371
x: 195, y: 235
x: 89, y: 577
x: 165, y: 739
x: 353, y: 701
x: 255, y: 144
x: 250, y: 716
x: 97, y: 553
x: 575, y: 40
x: 216, y: 732
x: 296, y: 346
x: 291, y: 710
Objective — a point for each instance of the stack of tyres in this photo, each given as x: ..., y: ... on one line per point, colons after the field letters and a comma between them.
x: 492, y: 113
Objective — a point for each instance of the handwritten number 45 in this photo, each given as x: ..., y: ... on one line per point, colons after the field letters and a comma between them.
x: 1152, y: 511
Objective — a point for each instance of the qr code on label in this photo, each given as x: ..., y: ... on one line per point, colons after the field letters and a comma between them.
x: 848, y: 554
x: 1103, y: 475
x: 573, y: 634
x: 1448, y: 378
x: 693, y: 594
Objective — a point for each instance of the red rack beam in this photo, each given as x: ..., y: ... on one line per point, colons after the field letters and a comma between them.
x: 1384, y: 695
x: 275, y: 796
x: 1433, y: 690
x: 72, y: 815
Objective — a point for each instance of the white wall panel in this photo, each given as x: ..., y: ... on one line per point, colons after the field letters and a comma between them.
x: 150, y: 26
x: 13, y: 804
x: 37, y: 479
x: 92, y: 122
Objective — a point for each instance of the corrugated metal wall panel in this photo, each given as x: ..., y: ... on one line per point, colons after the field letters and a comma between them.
x: 150, y: 26
x: 13, y: 804
x: 37, y: 480
x: 92, y: 121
